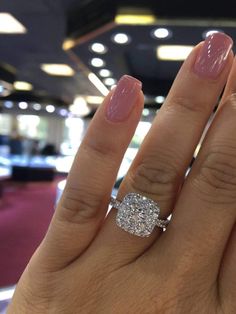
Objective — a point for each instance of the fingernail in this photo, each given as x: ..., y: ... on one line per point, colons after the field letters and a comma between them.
x: 213, y: 55
x: 124, y: 99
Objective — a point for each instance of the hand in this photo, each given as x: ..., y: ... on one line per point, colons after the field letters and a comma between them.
x: 87, y: 264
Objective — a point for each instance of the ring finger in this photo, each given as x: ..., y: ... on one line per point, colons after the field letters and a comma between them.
x: 159, y: 168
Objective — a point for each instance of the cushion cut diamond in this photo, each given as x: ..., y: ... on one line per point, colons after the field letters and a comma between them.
x: 137, y: 215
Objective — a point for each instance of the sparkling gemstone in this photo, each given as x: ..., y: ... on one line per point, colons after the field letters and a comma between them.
x: 137, y: 215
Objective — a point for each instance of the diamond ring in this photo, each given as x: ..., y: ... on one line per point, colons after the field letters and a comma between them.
x: 138, y: 214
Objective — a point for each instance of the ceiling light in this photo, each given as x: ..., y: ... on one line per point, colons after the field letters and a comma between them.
x: 23, y: 105
x: 159, y: 99
x: 135, y: 19
x: 161, y: 33
x: 98, y: 48
x: 50, y: 108
x: 58, y: 69
x: 37, y: 107
x: 98, y: 84
x: 105, y: 73
x: 121, y: 38
x: 97, y: 62
x: 23, y: 86
x: 110, y: 81
x: 146, y: 112
x: 173, y: 52
x: 68, y: 44
x: 210, y: 32
x: 80, y: 107
x: 8, y: 104
x: 94, y: 100
x: 63, y: 112
x: 10, y: 25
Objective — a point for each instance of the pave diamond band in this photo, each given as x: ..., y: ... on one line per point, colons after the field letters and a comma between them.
x: 138, y: 214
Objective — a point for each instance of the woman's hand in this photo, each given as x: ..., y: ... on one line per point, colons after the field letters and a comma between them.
x: 87, y: 264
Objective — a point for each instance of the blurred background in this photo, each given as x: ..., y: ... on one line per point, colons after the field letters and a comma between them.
x: 58, y: 59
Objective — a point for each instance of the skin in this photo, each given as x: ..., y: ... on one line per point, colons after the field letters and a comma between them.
x: 86, y: 264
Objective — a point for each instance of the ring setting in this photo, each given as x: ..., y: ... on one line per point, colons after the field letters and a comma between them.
x: 138, y: 214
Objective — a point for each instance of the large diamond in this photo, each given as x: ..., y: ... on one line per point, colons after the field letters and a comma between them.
x: 137, y: 215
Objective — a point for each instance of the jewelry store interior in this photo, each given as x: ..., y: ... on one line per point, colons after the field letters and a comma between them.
x: 58, y: 60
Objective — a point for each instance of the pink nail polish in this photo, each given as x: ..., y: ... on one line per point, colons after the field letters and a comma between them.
x: 124, y: 99
x: 213, y: 55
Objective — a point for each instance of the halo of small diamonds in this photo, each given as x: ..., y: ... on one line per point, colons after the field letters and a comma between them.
x: 137, y: 214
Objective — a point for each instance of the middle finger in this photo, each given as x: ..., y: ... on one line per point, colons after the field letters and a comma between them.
x: 159, y: 168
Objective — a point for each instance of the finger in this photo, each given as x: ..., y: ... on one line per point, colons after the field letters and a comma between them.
x: 84, y: 202
x: 230, y: 87
x: 227, y: 276
x: 206, y: 209
x: 159, y: 168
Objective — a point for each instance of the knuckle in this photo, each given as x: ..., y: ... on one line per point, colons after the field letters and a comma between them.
x: 216, y: 179
x: 155, y: 179
x: 100, y: 148
x: 79, y: 206
x: 186, y: 104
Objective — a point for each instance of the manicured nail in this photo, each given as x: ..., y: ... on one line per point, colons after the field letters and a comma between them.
x: 213, y: 55
x: 124, y: 99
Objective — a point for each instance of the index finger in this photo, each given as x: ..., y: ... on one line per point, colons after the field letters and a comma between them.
x: 84, y: 202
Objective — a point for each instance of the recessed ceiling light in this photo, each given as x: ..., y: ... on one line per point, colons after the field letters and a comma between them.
x: 159, y: 99
x: 161, y: 33
x: 121, y: 38
x: 98, y: 84
x: 210, y: 32
x: 37, y: 107
x: 10, y: 25
x: 58, y: 69
x: 50, y: 108
x: 8, y: 104
x: 97, y: 62
x: 98, y: 48
x: 135, y: 19
x: 68, y: 44
x: 146, y: 112
x: 23, y: 86
x: 110, y: 81
x: 173, y: 52
x: 63, y: 112
x: 23, y: 105
x: 105, y: 73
